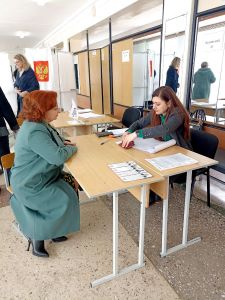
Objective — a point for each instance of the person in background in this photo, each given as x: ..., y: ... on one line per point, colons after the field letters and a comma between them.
x: 203, y: 79
x: 44, y: 200
x: 167, y: 120
x: 172, y: 75
x: 25, y: 79
x: 6, y: 114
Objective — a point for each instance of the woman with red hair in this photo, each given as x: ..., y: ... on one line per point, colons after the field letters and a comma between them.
x: 45, y: 204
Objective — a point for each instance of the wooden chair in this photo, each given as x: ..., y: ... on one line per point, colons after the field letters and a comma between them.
x: 7, y: 163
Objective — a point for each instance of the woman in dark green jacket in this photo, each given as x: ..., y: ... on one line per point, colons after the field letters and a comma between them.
x: 203, y: 79
x: 44, y: 204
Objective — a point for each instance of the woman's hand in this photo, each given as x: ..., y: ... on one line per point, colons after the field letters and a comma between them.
x: 68, y: 142
x: 125, y: 134
x: 128, y: 138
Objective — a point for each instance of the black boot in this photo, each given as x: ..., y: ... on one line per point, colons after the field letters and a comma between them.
x: 60, y: 239
x: 38, y: 248
x: 153, y: 198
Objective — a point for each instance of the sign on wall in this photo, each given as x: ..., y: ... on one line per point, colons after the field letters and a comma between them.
x: 41, y: 70
x: 125, y: 55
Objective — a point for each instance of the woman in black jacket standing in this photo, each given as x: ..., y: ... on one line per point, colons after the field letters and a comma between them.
x: 172, y: 75
x: 6, y: 113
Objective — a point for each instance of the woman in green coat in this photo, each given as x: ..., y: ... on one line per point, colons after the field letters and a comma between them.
x: 44, y: 202
x: 203, y: 79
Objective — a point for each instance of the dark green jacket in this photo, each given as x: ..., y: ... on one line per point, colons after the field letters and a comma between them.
x: 202, y: 81
x: 44, y: 205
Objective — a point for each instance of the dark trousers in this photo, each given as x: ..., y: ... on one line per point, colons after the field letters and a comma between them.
x: 19, y: 105
x: 4, y: 146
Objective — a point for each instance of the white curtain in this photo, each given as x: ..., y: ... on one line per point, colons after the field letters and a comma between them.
x: 6, y: 81
x: 44, y: 54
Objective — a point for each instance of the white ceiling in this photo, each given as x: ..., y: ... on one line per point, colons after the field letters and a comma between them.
x: 26, y: 15
x: 40, y: 21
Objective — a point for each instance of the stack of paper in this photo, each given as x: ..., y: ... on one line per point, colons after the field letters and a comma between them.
x: 129, y: 171
x: 117, y: 132
x: 152, y: 145
x: 171, y: 161
x: 90, y: 115
x: 83, y: 110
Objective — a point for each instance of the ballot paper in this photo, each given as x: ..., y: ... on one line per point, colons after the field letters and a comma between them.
x: 84, y: 110
x: 90, y: 115
x: 171, y: 161
x: 129, y: 171
x: 152, y: 145
x: 118, y: 132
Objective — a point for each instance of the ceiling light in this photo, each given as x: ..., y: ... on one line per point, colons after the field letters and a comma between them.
x: 22, y: 34
x: 41, y: 2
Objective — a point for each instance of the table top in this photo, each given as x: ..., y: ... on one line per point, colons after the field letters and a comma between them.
x: 63, y: 118
x: 202, y: 161
x: 90, y: 166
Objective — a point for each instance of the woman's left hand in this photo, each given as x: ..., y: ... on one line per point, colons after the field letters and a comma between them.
x: 128, y: 138
x: 69, y: 143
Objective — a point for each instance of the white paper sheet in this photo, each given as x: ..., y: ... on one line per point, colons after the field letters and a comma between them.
x: 152, y: 145
x: 129, y: 171
x: 90, y: 115
x: 84, y: 110
x: 171, y: 161
x: 118, y: 132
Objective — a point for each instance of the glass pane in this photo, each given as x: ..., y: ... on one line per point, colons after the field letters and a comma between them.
x: 141, y: 15
x: 208, y: 86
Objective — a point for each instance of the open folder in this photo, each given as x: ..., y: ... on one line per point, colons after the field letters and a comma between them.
x: 152, y: 145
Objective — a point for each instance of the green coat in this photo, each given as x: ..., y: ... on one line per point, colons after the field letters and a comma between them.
x: 202, y: 81
x: 45, y: 206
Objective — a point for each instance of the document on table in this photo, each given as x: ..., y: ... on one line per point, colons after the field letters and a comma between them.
x: 118, y: 132
x: 90, y: 115
x: 171, y: 161
x: 152, y: 145
x: 129, y: 171
x: 84, y: 110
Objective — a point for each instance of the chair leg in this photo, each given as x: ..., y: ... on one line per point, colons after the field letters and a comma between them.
x: 208, y: 187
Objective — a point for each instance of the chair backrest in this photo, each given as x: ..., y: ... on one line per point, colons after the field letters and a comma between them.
x: 131, y: 115
x: 7, y: 163
x: 198, y: 114
x: 204, y: 143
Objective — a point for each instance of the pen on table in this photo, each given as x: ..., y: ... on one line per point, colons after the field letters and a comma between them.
x: 105, y: 141
x: 102, y: 143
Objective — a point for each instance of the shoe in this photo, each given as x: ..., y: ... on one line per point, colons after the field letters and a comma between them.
x: 60, y: 239
x: 38, y: 248
x: 153, y: 198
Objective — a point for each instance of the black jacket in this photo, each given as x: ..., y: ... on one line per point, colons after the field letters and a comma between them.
x: 6, y: 113
x: 172, y: 78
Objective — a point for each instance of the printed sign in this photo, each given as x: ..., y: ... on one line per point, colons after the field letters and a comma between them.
x: 125, y: 55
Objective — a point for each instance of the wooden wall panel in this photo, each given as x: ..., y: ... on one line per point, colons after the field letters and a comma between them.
x: 95, y: 78
x: 83, y: 73
x: 122, y: 73
x: 105, y: 80
x: 83, y: 101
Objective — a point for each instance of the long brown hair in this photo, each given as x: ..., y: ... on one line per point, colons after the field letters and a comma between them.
x: 167, y: 94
